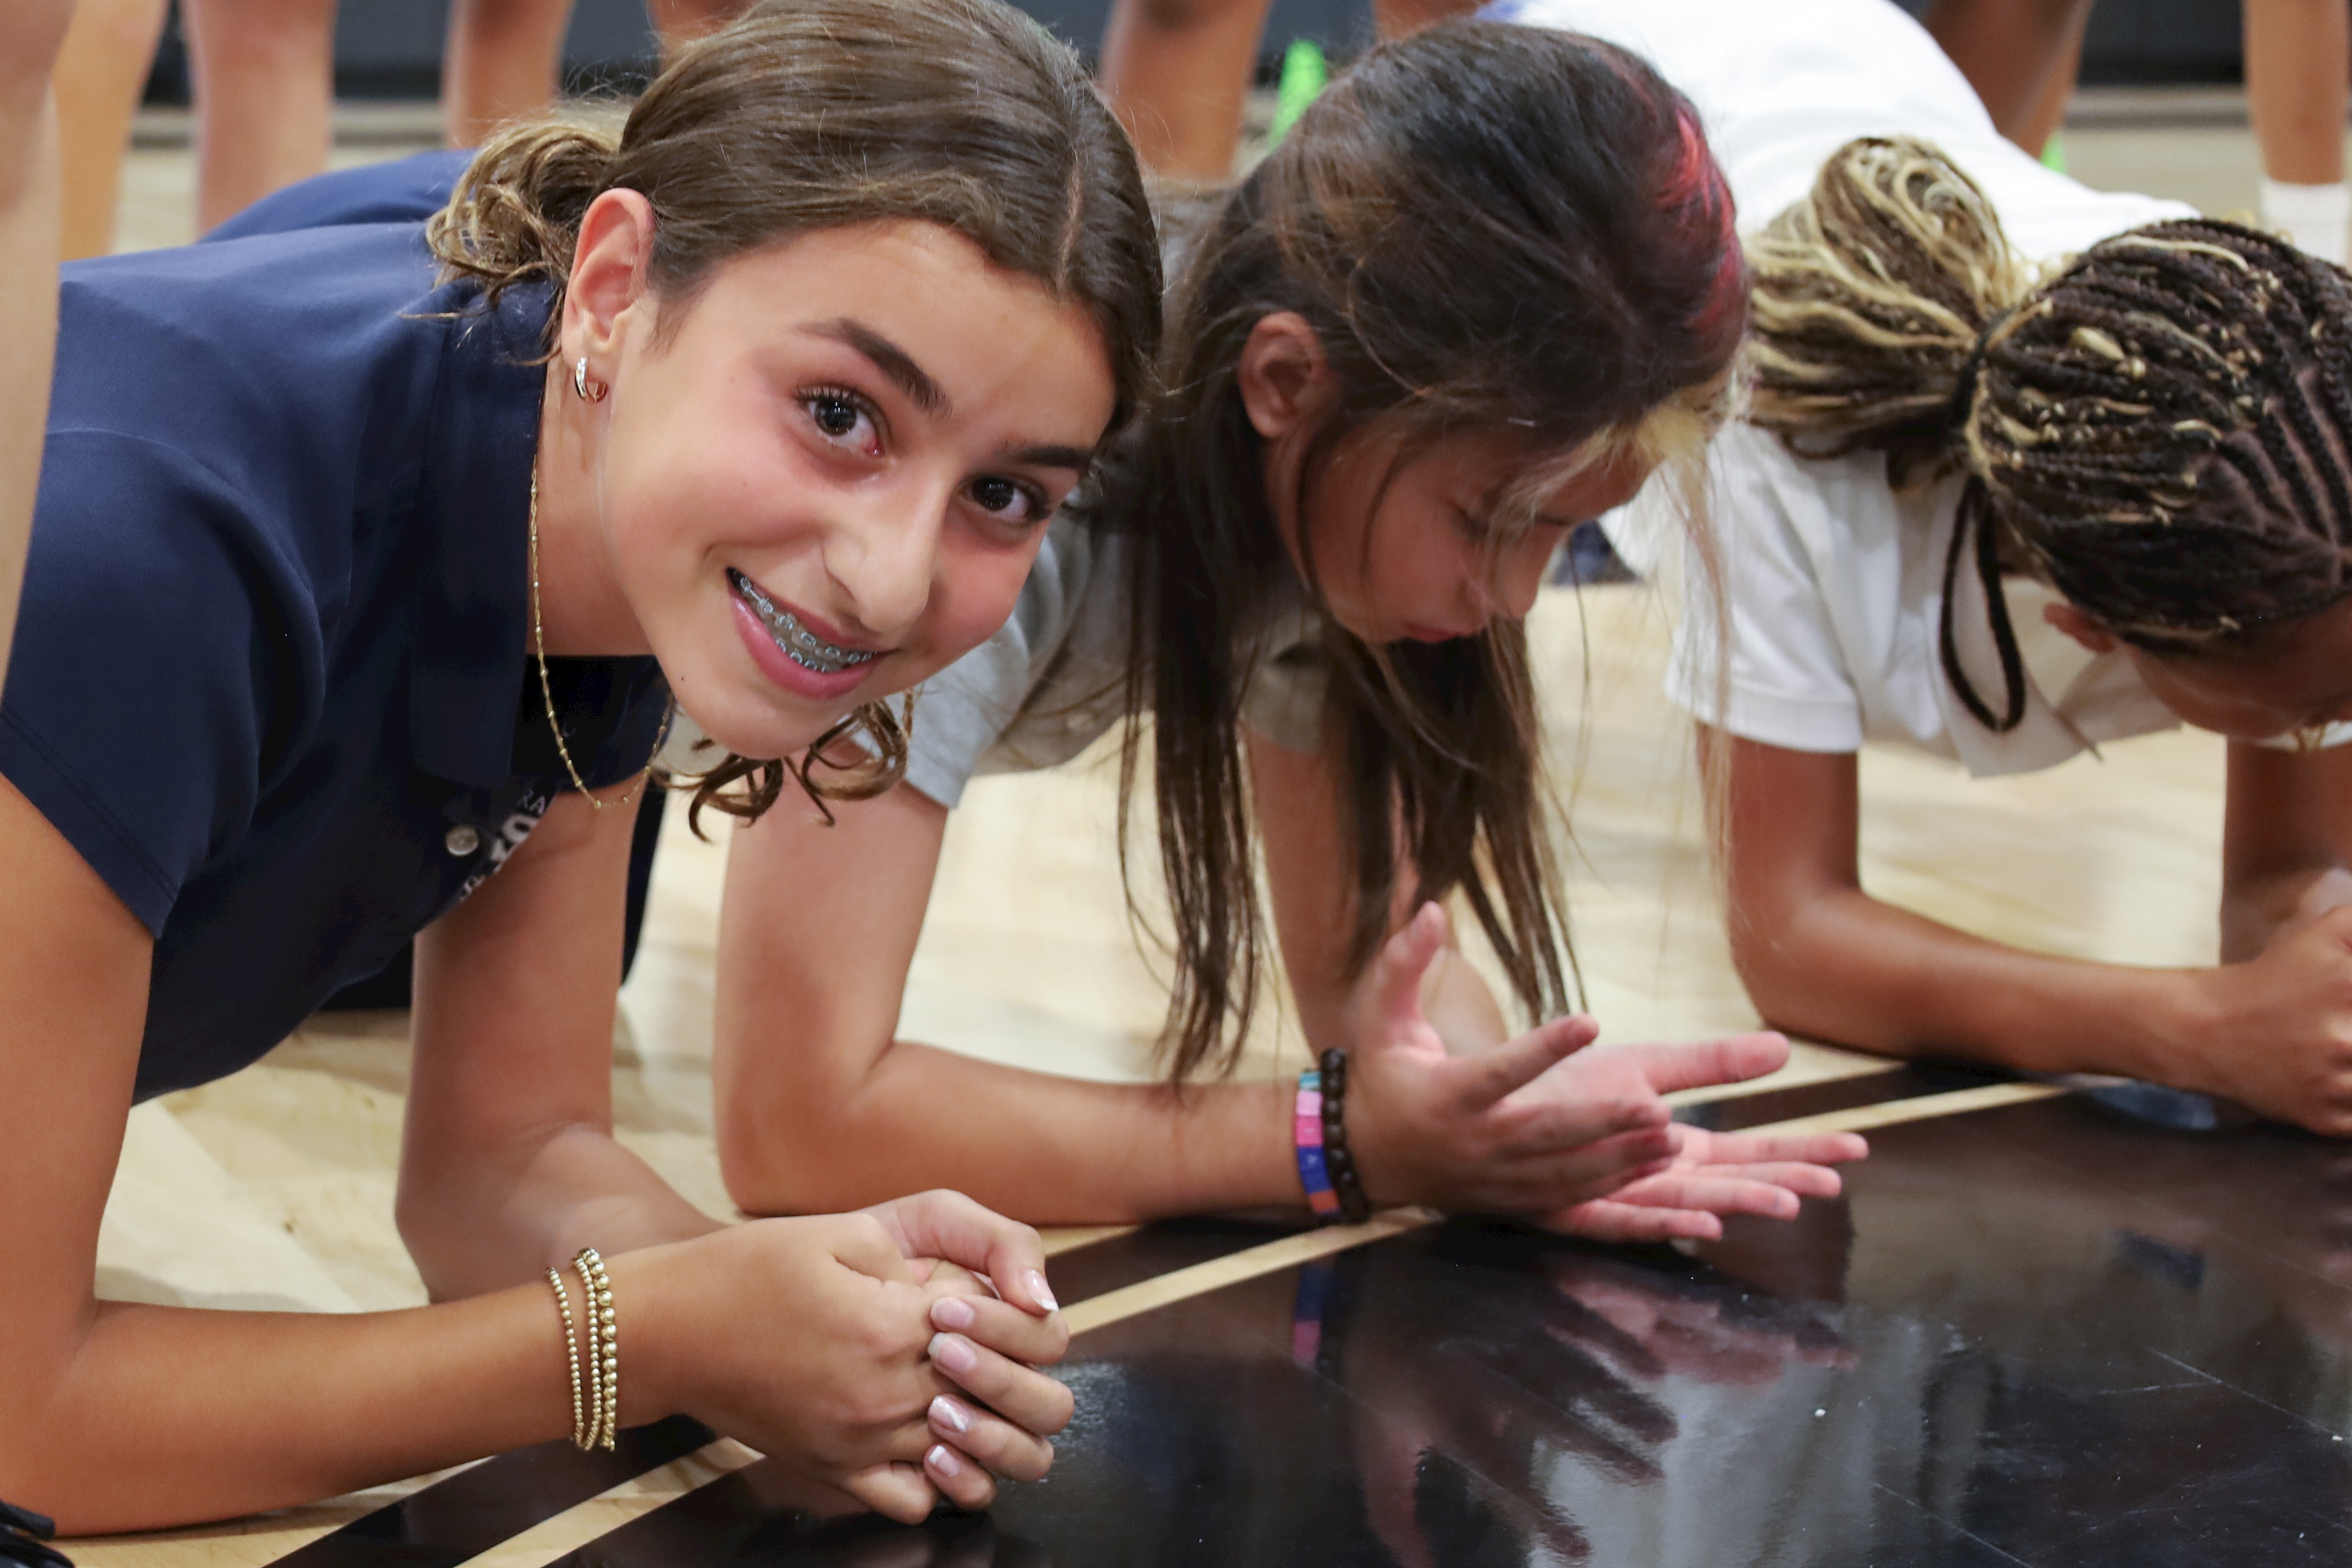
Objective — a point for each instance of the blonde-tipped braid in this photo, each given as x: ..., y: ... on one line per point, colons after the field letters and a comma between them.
x: 2162, y: 429
x: 1869, y: 296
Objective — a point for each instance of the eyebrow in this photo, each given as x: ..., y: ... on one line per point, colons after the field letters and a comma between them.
x: 1075, y: 459
x: 889, y: 358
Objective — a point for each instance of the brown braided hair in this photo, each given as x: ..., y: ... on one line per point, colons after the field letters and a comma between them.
x: 2162, y: 430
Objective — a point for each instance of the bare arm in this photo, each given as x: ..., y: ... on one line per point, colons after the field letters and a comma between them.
x: 2286, y: 843
x: 508, y: 1162
x: 30, y: 31
x: 124, y: 1417
x: 1820, y: 956
x: 806, y: 1338
x: 1305, y: 864
x: 821, y: 1106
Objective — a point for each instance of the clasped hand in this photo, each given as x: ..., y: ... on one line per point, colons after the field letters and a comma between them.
x: 891, y: 1354
x: 1542, y: 1127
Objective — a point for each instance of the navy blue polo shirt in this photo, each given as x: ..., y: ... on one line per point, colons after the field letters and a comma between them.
x: 270, y: 675
x: 401, y: 190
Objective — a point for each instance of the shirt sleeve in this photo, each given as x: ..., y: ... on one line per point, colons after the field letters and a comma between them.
x: 159, y: 664
x: 961, y: 711
x: 1755, y: 651
x: 1287, y: 696
x: 986, y: 698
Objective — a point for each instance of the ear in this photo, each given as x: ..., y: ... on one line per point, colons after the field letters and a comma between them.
x: 609, y: 273
x: 2081, y: 627
x: 1285, y: 379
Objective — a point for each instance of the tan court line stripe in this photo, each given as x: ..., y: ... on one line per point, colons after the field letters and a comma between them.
x: 577, y: 1526
x: 570, y: 1530
x: 1918, y: 1107
x: 1817, y: 1074
x: 1232, y: 1268
x: 1061, y: 1238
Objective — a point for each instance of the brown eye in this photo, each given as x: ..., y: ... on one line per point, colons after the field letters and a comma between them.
x: 835, y: 417
x: 1008, y: 499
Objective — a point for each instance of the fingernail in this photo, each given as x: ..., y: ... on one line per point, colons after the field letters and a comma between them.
x: 953, y: 1312
x: 1039, y: 1291
x: 950, y: 1415
x: 953, y: 1352
x: 942, y: 1458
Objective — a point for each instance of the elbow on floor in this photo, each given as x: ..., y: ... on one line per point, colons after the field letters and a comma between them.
x: 780, y: 1164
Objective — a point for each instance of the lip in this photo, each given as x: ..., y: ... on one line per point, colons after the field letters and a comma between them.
x: 1431, y: 634
x: 798, y: 679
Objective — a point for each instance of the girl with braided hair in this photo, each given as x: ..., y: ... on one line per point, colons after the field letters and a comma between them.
x: 2001, y: 506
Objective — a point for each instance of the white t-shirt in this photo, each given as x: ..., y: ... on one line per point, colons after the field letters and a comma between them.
x: 1781, y: 86
x: 1832, y: 581
x: 1833, y: 586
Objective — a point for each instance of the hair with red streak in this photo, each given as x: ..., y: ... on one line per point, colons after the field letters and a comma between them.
x: 1492, y: 229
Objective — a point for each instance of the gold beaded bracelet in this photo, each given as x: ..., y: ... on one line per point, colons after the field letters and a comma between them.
x: 603, y: 1352
x: 571, y: 1357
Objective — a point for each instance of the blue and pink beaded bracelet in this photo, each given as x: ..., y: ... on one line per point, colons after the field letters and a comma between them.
x: 1318, y: 1135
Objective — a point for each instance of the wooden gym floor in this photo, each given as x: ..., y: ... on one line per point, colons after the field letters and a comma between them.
x: 2028, y: 1334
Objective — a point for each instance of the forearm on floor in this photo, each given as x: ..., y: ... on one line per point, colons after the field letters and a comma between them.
x: 483, y: 1223
x: 2255, y: 907
x: 1033, y: 1146
x: 160, y: 1416
x: 1845, y: 968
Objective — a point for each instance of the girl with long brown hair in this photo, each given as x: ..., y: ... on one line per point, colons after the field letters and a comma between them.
x: 1484, y: 288
x: 2026, y: 467
x: 367, y: 564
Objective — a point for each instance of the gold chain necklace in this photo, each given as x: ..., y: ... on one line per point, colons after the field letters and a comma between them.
x: 546, y: 693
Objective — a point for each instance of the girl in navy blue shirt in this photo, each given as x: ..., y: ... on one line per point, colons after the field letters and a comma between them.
x: 367, y: 565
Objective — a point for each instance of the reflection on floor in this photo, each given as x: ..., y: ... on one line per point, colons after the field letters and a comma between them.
x: 2032, y: 1336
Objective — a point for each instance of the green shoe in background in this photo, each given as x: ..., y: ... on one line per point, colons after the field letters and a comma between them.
x: 1303, y: 72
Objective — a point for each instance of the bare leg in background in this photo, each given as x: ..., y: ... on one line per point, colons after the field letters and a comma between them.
x: 264, y: 74
x: 2298, y: 67
x: 504, y: 61
x: 1178, y: 72
x: 2049, y: 116
x: 2020, y: 54
x: 101, y: 71
x: 683, y: 21
x: 1402, y: 19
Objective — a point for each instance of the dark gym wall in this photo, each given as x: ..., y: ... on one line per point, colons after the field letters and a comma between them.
x: 391, y: 49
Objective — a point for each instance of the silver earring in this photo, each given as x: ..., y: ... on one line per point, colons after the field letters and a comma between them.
x: 581, y: 387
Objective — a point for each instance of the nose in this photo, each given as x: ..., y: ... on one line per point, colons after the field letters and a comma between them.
x: 883, y: 550
x: 1511, y: 582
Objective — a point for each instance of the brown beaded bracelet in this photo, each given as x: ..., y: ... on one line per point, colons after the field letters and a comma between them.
x: 1337, y: 1158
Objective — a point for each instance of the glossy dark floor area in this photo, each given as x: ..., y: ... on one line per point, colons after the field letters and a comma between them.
x: 2029, y: 1336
